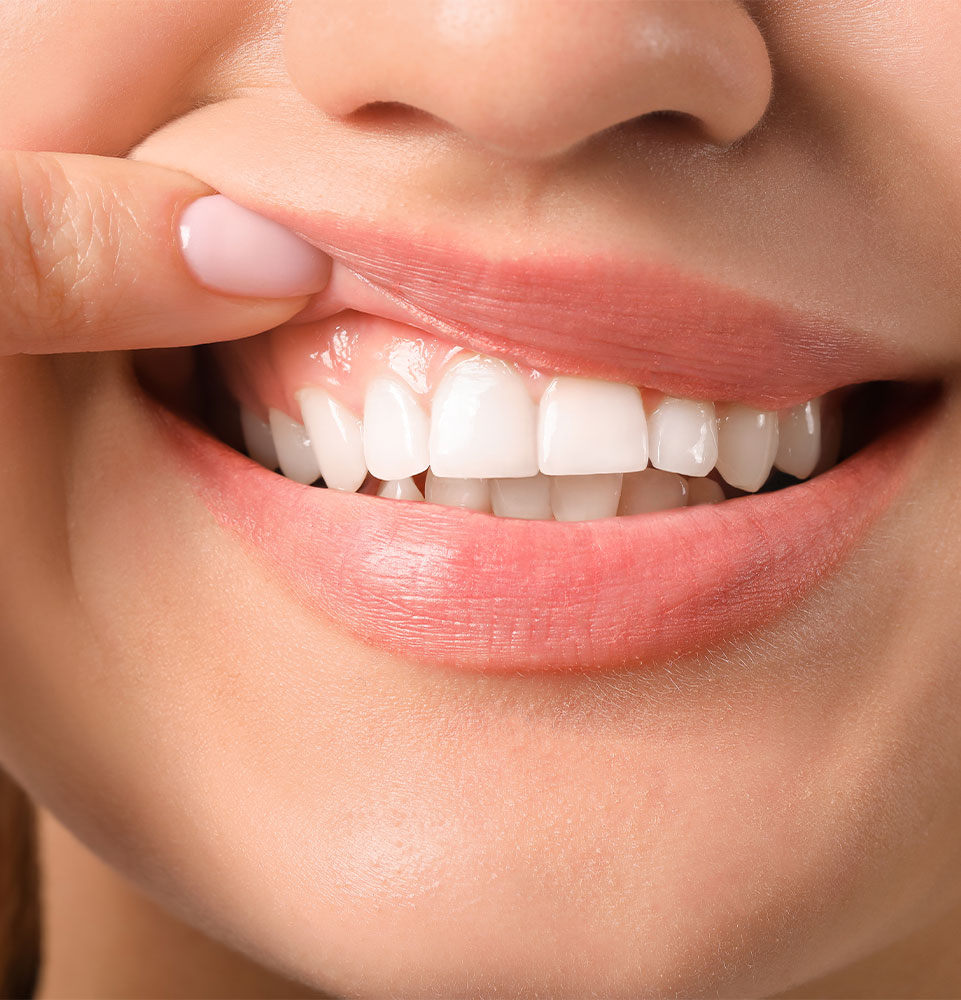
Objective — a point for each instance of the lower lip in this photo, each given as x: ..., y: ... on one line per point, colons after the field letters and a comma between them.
x: 473, y: 592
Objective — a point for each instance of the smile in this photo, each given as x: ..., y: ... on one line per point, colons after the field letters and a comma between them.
x: 572, y: 521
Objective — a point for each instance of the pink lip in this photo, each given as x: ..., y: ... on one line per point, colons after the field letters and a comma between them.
x: 629, y: 321
x: 471, y: 591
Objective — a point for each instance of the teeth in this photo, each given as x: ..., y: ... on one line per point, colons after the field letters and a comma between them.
x: 294, y: 453
x: 747, y: 441
x: 651, y: 490
x: 799, y: 445
x: 831, y: 428
x: 580, y: 454
x: 529, y: 499
x: 483, y: 423
x: 338, y: 439
x: 683, y: 436
x: 704, y: 491
x: 400, y: 489
x: 585, y: 498
x: 587, y: 426
x: 396, y: 430
x: 258, y: 439
x: 472, y: 494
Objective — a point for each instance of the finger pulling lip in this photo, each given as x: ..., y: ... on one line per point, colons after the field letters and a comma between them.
x: 639, y: 321
x: 469, y: 591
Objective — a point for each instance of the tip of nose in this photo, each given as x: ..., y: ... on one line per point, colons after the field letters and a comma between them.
x: 544, y: 78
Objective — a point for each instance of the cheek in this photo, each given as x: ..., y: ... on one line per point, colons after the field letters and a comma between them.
x: 96, y: 77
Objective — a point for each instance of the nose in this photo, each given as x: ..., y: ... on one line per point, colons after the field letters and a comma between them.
x: 534, y: 78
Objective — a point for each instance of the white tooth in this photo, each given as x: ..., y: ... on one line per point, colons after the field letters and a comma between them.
x: 585, y: 498
x: 683, y: 436
x: 395, y: 430
x: 483, y: 423
x: 587, y: 426
x: 294, y: 453
x: 703, y: 490
x: 831, y: 428
x: 472, y: 494
x: 258, y: 439
x: 746, y: 445
x: 799, y: 445
x: 650, y: 490
x: 400, y: 489
x: 338, y: 439
x: 529, y: 499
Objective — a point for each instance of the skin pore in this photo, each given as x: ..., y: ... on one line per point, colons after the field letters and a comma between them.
x: 779, y: 813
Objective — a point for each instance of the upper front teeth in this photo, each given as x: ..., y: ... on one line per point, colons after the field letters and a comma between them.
x: 586, y: 426
x: 259, y: 439
x: 747, y: 441
x: 799, y: 447
x: 581, y: 452
x: 483, y: 422
x: 683, y: 435
x: 396, y: 430
x: 295, y: 455
x: 337, y: 437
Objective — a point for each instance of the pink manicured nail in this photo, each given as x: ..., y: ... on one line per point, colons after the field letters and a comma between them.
x: 231, y: 249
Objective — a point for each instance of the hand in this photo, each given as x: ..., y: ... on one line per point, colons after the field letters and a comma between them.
x: 91, y: 259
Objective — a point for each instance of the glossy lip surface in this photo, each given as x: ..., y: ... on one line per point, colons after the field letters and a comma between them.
x: 633, y: 321
x: 470, y: 591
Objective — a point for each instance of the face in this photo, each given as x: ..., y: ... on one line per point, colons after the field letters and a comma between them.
x: 379, y: 744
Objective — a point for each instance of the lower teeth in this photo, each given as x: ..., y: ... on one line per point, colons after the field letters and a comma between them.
x: 540, y: 497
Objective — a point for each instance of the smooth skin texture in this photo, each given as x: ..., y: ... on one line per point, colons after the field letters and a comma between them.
x: 780, y: 810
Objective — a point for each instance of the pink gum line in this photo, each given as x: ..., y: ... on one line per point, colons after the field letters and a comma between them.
x: 342, y: 354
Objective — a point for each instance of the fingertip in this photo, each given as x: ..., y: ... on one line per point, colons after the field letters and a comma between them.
x: 231, y: 249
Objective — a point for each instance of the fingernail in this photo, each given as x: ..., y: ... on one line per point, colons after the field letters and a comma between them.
x: 233, y: 250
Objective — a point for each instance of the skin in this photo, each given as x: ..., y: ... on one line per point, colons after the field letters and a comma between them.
x: 776, y: 811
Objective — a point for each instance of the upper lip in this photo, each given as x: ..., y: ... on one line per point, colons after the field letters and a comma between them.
x: 637, y: 321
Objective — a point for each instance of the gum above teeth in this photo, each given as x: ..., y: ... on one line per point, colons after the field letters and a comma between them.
x: 485, y: 418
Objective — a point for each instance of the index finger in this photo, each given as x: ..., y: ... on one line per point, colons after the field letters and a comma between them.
x: 100, y: 254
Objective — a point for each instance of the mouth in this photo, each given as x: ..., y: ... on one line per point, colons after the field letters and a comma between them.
x: 459, y: 497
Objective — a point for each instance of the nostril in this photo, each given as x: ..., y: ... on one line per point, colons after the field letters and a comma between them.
x: 664, y: 127
x: 377, y: 114
x: 667, y: 121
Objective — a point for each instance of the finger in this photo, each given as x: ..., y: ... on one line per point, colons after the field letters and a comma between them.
x: 101, y: 254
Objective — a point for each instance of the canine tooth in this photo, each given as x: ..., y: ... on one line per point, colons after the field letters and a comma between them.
x: 400, y: 489
x: 396, y: 430
x: 585, y: 498
x: 704, y: 490
x: 587, y: 426
x: 258, y: 439
x: 529, y: 498
x: 651, y: 489
x: 799, y: 445
x: 295, y: 456
x: 746, y: 445
x: 683, y: 436
x: 338, y: 439
x: 472, y: 494
x: 483, y: 423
